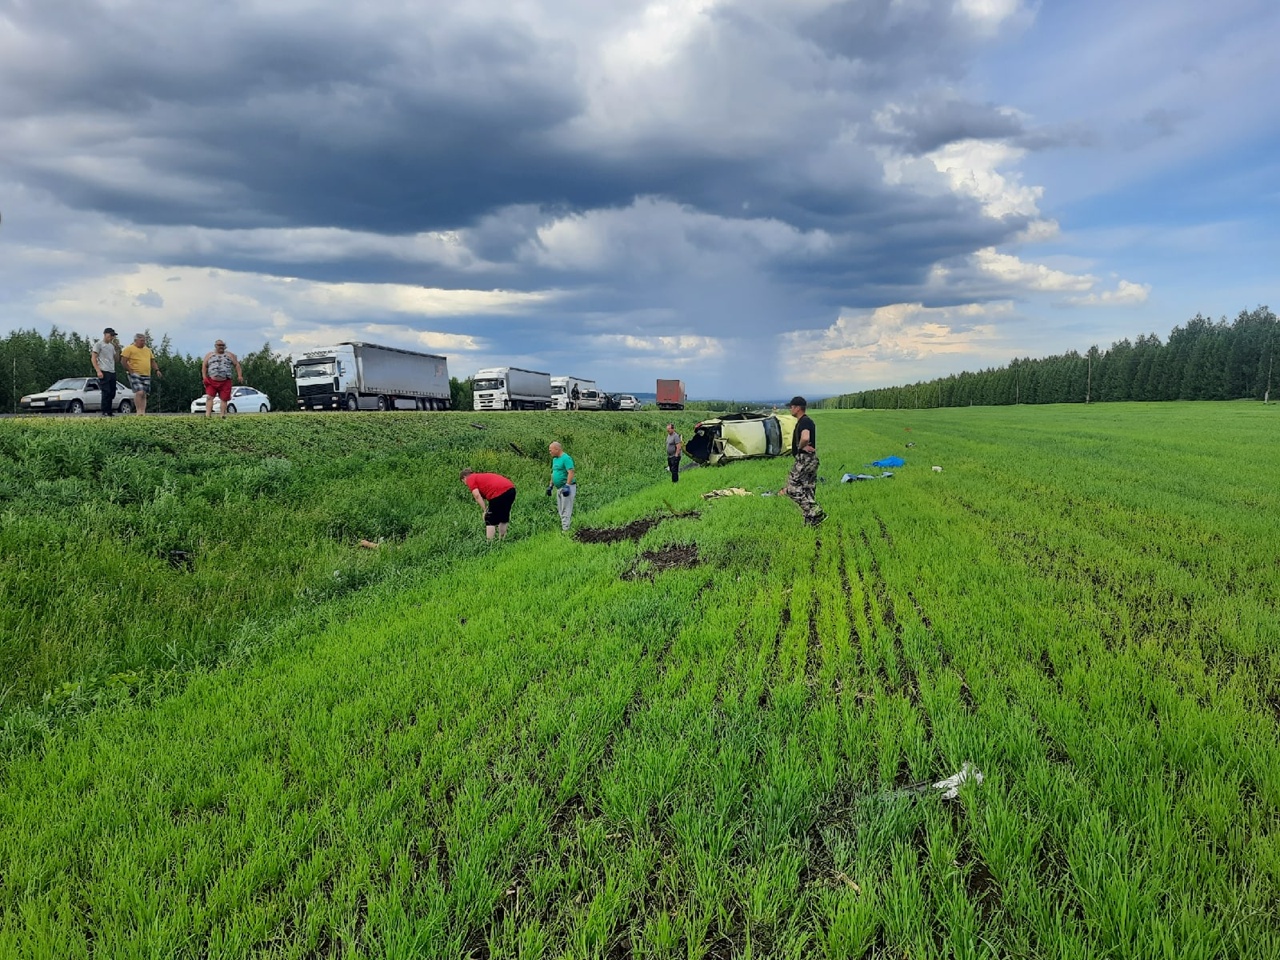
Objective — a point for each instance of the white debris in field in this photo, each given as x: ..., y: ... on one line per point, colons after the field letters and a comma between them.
x: 951, y: 785
x: 937, y: 469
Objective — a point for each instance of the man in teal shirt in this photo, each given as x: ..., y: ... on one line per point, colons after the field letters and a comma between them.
x: 562, y: 484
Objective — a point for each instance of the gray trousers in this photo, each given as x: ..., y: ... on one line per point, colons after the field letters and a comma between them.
x: 565, y: 504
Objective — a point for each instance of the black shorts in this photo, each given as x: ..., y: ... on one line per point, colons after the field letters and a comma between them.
x: 500, y: 508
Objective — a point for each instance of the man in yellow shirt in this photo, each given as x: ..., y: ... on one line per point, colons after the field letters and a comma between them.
x: 140, y: 361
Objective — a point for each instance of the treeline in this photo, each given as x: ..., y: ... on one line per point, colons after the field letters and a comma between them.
x: 1202, y: 360
x: 31, y: 361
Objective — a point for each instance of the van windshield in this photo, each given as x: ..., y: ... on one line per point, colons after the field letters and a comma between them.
x: 315, y: 371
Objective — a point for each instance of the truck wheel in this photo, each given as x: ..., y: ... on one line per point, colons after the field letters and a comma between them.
x: 353, y: 402
x: 384, y: 403
x: 76, y: 407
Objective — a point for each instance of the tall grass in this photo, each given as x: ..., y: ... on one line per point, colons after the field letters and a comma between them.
x: 540, y: 753
x: 131, y: 545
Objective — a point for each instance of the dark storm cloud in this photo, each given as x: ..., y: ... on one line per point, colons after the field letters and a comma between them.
x: 379, y: 124
x: 721, y: 176
x: 932, y: 122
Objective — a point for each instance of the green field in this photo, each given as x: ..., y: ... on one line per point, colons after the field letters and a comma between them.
x: 706, y: 742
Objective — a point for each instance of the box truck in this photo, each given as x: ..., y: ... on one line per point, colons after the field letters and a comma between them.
x: 562, y: 390
x: 671, y: 395
x: 365, y: 376
x: 511, y: 388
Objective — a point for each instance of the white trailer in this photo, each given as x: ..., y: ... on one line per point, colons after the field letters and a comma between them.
x: 511, y: 388
x: 562, y: 390
x: 366, y: 376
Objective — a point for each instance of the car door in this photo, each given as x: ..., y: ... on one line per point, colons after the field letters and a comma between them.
x: 91, y: 395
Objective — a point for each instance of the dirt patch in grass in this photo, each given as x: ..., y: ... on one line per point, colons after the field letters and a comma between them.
x: 632, y: 531
x: 671, y: 557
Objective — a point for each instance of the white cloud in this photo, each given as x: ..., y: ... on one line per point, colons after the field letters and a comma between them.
x: 306, y: 337
x: 654, y: 235
x: 681, y: 350
x: 988, y: 15
x: 885, y: 344
x: 1029, y: 276
x: 1125, y: 292
x: 198, y: 298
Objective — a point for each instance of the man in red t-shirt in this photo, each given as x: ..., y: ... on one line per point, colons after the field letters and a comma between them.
x: 495, y: 494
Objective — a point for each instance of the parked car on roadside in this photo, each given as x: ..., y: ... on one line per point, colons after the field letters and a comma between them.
x: 243, y: 400
x: 628, y: 402
x: 591, y: 400
x: 738, y: 436
x: 76, y: 395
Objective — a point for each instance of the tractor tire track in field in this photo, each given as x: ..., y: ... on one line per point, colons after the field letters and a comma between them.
x: 773, y: 654
x: 813, y: 647
x: 907, y: 682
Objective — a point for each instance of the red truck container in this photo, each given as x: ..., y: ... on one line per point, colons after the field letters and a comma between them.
x: 671, y: 395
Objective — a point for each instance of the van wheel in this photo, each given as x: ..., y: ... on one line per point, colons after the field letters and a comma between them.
x: 353, y: 402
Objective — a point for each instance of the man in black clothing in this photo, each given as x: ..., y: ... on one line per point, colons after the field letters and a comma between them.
x: 675, y: 446
x: 803, y: 479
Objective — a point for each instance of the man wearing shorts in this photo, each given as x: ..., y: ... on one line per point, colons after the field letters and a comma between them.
x: 216, y: 371
x: 140, y: 362
x: 495, y: 494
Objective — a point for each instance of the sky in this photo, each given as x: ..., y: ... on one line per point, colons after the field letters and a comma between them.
x: 759, y: 197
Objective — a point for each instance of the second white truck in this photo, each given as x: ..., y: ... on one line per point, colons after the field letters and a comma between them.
x: 511, y: 388
x: 365, y: 376
x: 562, y: 390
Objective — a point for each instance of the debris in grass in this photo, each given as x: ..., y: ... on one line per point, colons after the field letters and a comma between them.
x: 851, y: 477
x: 370, y: 544
x: 936, y: 468
x: 950, y: 786
x: 480, y: 426
x: 893, y: 461
x: 179, y: 559
x: 670, y: 557
x: 729, y: 492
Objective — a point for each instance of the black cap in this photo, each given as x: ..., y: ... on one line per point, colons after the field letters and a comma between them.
x: 110, y: 331
x: 799, y: 402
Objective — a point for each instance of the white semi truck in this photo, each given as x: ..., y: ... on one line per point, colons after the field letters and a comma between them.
x: 511, y: 388
x: 562, y: 390
x: 365, y: 376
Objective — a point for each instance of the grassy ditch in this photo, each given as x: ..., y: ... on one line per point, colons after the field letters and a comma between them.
x: 137, y: 546
x: 574, y: 748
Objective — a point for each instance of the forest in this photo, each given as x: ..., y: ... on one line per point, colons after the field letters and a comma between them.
x: 1203, y: 360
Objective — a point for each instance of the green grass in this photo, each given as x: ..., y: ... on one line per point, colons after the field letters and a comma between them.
x: 99, y: 520
x: 555, y: 749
